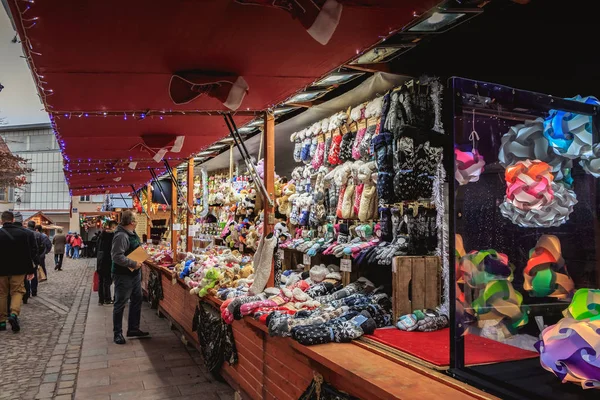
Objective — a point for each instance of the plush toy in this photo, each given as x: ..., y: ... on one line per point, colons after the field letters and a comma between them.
x: 283, y: 202
x: 282, y: 231
x: 252, y: 238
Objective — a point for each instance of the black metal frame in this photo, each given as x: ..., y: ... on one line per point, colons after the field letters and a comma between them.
x: 239, y: 142
x: 525, y: 105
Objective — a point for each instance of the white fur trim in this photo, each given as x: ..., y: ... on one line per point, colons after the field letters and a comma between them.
x: 326, y: 22
x: 178, y: 144
x: 236, y: 94
x: 159, y: 155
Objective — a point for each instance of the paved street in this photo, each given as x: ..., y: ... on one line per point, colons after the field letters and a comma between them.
x: 65, y: 350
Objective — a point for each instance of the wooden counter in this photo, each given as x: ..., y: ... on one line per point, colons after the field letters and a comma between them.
x: 281, y: 368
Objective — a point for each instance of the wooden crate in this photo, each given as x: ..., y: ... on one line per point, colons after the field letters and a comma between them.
x: 415, y: 283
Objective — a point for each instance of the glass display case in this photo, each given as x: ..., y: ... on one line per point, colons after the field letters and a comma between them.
x: 526, y: 241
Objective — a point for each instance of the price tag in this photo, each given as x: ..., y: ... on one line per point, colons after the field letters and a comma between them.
x: 345, y: 265
x: 241, y: 247
x: 149, y: 241
x: 306, y: 260
x: 176, y: 227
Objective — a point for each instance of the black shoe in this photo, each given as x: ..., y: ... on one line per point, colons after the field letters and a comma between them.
x: 137, y: 333
x: 33, y: 294
x: 119, y: 339
x: 25, y: 300
x: 13, y: 320
x: 109, y: 302
x: 3, y: 326
x: 100, y: 303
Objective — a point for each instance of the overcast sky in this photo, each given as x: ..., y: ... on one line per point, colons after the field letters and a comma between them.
x: 19, y: 102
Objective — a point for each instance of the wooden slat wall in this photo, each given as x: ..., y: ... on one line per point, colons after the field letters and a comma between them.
x: 415, y: 284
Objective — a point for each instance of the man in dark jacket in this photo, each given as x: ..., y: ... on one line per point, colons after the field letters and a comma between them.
x: 128, y: 279
x: 33, y: 288
x: 104, y: 263
x: 18, y: 250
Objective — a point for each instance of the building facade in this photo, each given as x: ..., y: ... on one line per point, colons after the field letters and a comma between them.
x: 47, y: 190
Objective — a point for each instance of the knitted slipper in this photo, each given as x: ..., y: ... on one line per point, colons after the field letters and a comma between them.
x: 366, y: 202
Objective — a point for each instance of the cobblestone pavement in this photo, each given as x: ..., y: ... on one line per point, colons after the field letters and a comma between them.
x: 65, y: 350
x: 32, y: 360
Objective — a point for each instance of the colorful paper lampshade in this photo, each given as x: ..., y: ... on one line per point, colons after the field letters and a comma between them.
x: 570, y: 349
x: 546, y: 273
x: 469, y: 166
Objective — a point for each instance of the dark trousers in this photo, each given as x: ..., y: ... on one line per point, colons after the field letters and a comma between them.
x: 58, y: 260
x: 31, y: 286
x: 104, y: 287
x: 127, y: 288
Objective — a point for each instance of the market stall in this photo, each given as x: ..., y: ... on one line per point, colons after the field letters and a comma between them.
x: 326, y: 224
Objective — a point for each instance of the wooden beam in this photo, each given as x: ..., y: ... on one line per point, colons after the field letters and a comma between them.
x: 149, y: 208
x: 174, y: 234
x: 305, y: 104
x: 378, y: 67
x: 190, y: 200
x: 269, y: 174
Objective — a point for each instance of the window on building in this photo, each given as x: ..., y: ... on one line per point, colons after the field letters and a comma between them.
x: 3, y: 195
x: 84, y: 198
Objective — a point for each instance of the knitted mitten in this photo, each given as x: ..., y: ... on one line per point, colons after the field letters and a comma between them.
x: 262, y: 271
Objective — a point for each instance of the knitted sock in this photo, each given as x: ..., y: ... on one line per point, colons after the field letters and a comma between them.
x: 297, y: 151
x: 333, y: 156
x: 263, y: 270
x: 358, y: 191
x: 326, y: 149
x: 365, y: 144
x: 317, y: 160
x: 347, y: 205
x: 365, y: 206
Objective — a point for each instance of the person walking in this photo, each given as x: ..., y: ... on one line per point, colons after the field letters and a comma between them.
x: 47, y: 248
x: 59, y: 241
x: 104, y: 263
x: 68, y: 243
x: 18, y: 250
x: 76, y: 243
x: 32, y: 289
x: 128, y: 282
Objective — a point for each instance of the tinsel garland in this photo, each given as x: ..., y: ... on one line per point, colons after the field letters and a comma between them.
x: 442, y: 225
x: 204, y: 211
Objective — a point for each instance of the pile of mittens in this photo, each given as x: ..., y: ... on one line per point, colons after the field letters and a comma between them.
x: 427, y: 320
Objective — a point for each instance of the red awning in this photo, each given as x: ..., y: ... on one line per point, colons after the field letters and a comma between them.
x: 117, y: 57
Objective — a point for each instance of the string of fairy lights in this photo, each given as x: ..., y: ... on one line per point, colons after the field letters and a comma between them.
x: 71, y: 166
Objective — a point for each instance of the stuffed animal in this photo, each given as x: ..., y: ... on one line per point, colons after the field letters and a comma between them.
x: 252, y: 238
x: 283, y: 202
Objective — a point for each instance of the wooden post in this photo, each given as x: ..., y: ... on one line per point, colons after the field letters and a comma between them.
x: 174, y: 234
x: 190, y: 200
x: 269, y: 174
x: 149, y: 208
